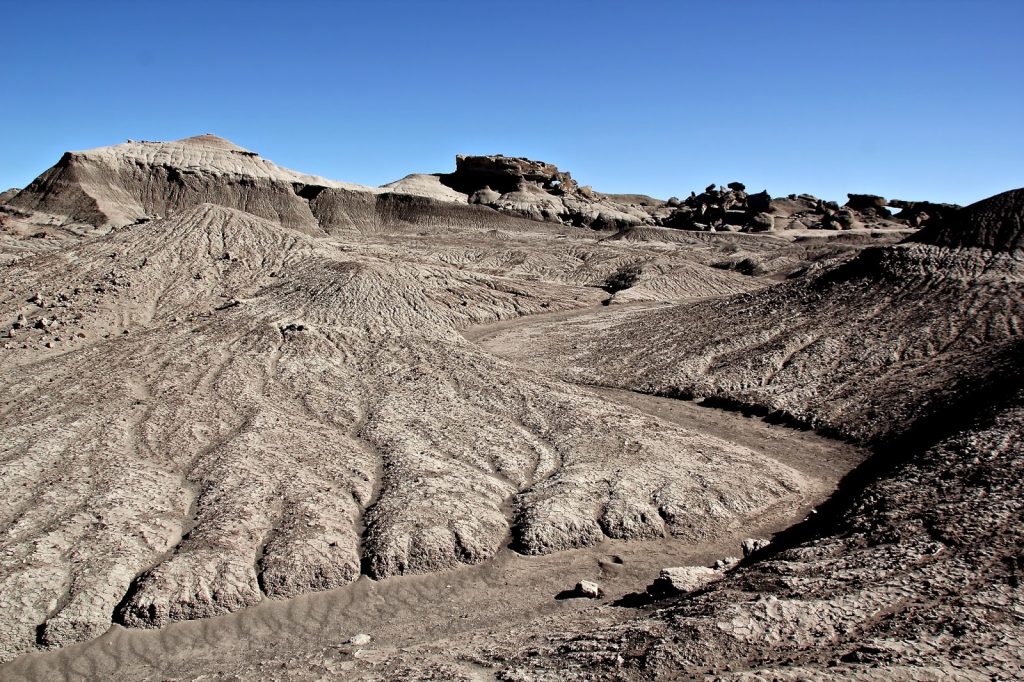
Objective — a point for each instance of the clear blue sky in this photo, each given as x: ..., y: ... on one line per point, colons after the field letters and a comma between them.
x: 909, y: 99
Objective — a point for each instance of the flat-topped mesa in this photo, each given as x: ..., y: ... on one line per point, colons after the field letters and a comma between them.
x: 117, y: 185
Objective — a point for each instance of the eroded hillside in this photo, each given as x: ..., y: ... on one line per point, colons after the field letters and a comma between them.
x: 229, y: 385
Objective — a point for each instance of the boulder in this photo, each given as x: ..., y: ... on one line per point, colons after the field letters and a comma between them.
x: 485, y: 196
x: 843, y: 219
x: 734, y: 217
x: 682, y: 580
x: 868, y: 203
x: 760, y: 202
x: 762, y: 222
x: 588, y: 589
x: 859, y: 202
x: 753, y: 545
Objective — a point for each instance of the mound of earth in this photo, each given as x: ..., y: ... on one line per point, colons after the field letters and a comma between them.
x: 996, y: 224
x: 423, y: 185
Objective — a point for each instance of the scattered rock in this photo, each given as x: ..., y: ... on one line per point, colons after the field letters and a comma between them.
x: 725, y: 563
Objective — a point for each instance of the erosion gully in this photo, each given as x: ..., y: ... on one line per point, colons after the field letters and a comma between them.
x: 489, y: 602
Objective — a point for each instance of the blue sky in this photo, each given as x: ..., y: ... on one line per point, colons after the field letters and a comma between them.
x: 909, y: 99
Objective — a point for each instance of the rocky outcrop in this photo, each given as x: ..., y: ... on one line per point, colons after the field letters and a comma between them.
x: 9, y: 194
x: 921, y: 213
x: 540, y: 191
x: 732, y: 209
x: 723, y: 208
x: 506, y: 173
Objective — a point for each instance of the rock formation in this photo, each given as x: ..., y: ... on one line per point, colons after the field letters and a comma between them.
x: 539, y: 191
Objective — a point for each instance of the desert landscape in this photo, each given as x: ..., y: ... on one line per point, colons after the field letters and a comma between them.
x: 491, y: 423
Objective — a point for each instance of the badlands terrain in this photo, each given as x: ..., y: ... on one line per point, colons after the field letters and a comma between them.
x: 265, y: 425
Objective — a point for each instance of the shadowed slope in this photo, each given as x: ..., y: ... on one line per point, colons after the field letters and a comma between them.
x: 996, y: 224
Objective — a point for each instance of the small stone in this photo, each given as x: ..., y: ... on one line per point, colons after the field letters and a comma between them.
x: 589, y: 589
x: 359, y: 640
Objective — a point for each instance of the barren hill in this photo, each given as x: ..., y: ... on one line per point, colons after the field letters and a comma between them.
x: 996, y: 223
x: 243, y: 391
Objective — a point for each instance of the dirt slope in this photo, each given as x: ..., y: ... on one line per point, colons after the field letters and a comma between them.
x: 996, y: 224
x: 221, y: 434
x: 861, y: 350
x: 917, y: 578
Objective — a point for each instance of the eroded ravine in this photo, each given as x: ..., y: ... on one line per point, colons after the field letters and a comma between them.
x: 497, y: 596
